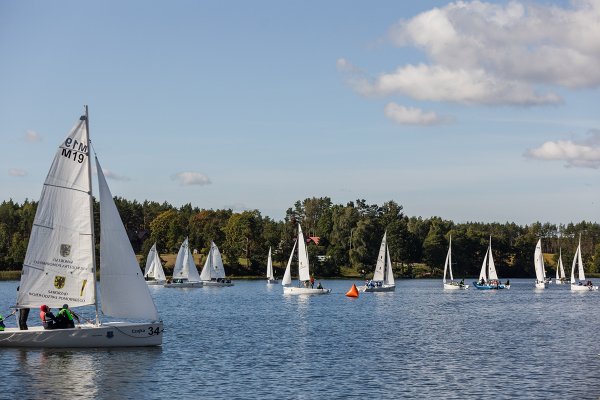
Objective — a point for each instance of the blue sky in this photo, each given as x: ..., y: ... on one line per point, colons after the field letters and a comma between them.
x: 473, y: 111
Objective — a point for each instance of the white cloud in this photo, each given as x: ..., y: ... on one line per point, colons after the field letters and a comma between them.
x: 32, y: 136
x: 485, y: 53
x: 412, y: 116
x: 115, y: 177
x: 583, y: 154
x: 17, y: 172
x: 191, y: 178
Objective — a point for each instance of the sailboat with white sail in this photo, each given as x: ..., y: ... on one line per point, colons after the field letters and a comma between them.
x: 383, y: 277
x: 581, y: 285
x: 560, y: 270
x: 538, y: 261
x: 488, y: 277
x: 304, y: 286
x: 60, y: 263
x: 154, y: 273
x: 185, y: 273
x: 451, y: 284
x: 213, y: 273
x: 270, y: 277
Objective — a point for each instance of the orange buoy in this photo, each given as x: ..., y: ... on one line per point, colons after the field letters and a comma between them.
x: 353, y: 292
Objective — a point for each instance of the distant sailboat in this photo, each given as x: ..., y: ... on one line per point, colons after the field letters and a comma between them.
x: 304, y: 286
x: 270, y: 276
x: 383, y: 277
x: 582, y: 285
x: 60, y: 262
x: 451, y: 285
x: 213, y: 273
x: 154, y: 273
x: 185, y: 273
x: 488, y: 277
x: 538, y: 260
x: 560, y: 270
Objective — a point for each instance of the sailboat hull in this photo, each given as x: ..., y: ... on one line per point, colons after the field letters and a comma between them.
x: 300, y: 290
x: 541, y: 285
x: 583, y: 288
x: 217, y: 284
x: 490, y: 287
x: 382, y: 288
x: 153, y: 282
x: 455, y: 286
x: 183, y: 285
x: 112, y: 334
x: 272, y: 281
x: 559, y: 282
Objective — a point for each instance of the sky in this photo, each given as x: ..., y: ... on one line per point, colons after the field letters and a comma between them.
x: 470, y: 111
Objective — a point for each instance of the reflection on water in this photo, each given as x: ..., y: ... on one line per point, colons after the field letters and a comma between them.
x: 251, y: 341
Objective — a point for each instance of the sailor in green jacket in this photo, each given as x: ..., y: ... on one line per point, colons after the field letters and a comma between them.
x: 65, y: 317
x: 2, y: 326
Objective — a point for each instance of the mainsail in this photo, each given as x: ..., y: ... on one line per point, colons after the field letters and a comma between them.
x: 538, y: 259
x: 287, y: 276
x: 184, y: 264
x: 270, y: 266
x: 577, y: 261
x: 448, y: 262
x: 389, y: 276
x: 303, y: 267
x: 380, y: 267
x: 58, y: 266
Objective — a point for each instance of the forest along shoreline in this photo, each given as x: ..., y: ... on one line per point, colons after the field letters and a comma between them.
x: 342, y: 239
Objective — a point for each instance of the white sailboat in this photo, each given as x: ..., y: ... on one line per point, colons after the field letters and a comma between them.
x: 60, y: 266
x: 154, y: 273
x: 560, y: 270
x: 270, y: 277
x: 488, y: 277
x: 383, y: 277
x: 452, y: 284
x: 582, y: 285
x: 213, y: 273
x: 304, y: 286
x: 185, y: 273
x: 538, y: 260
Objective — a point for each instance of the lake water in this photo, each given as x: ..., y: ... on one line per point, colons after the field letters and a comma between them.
x: 251, y: 342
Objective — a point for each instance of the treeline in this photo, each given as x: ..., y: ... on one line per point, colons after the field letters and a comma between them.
x: 342, y: 236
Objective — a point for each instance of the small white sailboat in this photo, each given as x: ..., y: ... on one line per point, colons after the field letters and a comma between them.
x: 452, y: 284
x: 270, y: 277
x: 213, y: 273
x: 154, y: 273
x: 185, y: 273
x: 582, y: 285
x: 538, y: 260
x: 560, y: 270
x: 488, y: 277
x: 383, y: 277
x: 304, y: 286
x: 60, y: 263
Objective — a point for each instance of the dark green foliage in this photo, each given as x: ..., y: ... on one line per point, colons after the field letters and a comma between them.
x: 349, y: 236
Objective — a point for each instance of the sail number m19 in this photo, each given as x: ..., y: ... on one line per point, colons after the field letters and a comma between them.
x: 74, y: 150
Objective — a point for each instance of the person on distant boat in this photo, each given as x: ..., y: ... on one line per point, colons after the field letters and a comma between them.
x: 312, y: 282
x: 2, y: 326
x: 47, y: 317
x: 482, y: 282
x: 65, y: 318
x: 23, y: 315
x: 507, y: 282
x: 319, y: 286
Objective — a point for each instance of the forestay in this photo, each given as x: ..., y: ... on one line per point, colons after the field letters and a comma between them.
x: 58, y: 266
x: 123, y: 291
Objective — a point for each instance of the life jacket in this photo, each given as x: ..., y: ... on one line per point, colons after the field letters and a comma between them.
x: 65, y: 311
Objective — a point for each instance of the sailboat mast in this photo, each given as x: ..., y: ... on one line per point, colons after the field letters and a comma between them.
x: 87, y: 128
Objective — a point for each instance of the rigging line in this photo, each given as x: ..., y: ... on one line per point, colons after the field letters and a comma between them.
x: 68, y: 188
